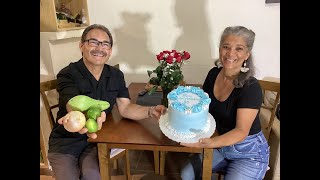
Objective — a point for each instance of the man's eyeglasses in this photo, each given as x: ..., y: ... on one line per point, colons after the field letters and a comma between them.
x: 96, y: 43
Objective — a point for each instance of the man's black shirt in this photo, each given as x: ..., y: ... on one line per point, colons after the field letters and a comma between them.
x: 75, y: 79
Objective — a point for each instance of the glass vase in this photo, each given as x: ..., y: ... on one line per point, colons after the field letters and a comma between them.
x: 164, y: 100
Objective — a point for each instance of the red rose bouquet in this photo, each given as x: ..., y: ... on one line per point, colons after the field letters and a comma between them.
x: 168, y: 73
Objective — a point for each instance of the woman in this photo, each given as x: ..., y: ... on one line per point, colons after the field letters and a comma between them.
x: 240, y: 150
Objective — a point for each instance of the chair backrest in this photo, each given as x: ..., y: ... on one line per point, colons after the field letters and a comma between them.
x: 269, y: 88
x: 45, y: 89
x: 117, y: 66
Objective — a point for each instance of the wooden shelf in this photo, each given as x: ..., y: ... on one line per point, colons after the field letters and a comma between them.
x: 48, y: 15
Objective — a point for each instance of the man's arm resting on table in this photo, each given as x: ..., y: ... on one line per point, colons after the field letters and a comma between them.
x: 137, y: 112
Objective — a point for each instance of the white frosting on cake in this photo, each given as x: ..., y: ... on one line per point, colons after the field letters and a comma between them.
x: 188, y: 109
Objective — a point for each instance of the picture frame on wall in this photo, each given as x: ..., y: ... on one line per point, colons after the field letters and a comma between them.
x: 272, y: 1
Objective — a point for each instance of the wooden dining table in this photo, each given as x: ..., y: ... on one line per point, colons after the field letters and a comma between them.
x: 118, y: 132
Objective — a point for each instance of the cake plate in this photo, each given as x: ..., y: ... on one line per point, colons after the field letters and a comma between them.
x: 190, y: 137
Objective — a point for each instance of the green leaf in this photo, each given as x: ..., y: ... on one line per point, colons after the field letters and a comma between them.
x: 163, y: 84
x: 153, y: 89
x: 175, y: 73
x: 154, y: 81
x: 170, y: 86
x: 158, y: 70
x: 149, y: 72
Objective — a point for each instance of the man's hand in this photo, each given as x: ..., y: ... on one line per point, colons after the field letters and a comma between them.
x: 100, y: 120
x: 157, y: 111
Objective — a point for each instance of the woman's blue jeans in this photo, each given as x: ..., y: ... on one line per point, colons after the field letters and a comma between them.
x: 245, y: 160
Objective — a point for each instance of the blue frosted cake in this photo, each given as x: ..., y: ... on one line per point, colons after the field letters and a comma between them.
x: 188, y: 110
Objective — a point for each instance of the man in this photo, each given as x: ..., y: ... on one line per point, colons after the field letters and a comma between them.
x: 70, y: 154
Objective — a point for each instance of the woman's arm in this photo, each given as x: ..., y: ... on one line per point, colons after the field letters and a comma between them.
x: 245, y: 118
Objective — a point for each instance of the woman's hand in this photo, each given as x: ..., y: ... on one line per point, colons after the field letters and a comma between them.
x: 203, y: 143
x: 100, y: 120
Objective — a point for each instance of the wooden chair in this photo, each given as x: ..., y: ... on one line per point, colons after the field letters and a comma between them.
x: 51, y: 85
x: 269, y: 88
x: 45, y: 87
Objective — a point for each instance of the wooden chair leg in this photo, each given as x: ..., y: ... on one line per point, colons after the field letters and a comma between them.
x: 162, y: 162
x: 115, y: 164
x: 127, y: 165
x: 156, y: 161
x: 220, y: 175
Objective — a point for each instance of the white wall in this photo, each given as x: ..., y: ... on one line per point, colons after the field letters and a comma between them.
x: 58, y: 49
x: 143, y: 28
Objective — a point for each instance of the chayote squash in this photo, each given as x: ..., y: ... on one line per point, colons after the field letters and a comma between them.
x: 83, y: 103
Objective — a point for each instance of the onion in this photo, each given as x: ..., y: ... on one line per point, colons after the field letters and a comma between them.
x: 75, y: 121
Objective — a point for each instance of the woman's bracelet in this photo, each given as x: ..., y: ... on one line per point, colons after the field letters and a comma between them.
x: 149, y: 111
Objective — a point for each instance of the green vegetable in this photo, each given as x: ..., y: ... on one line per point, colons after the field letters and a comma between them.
x: 93, y: 113
x: 83, y: 103
x: 91, y: 125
